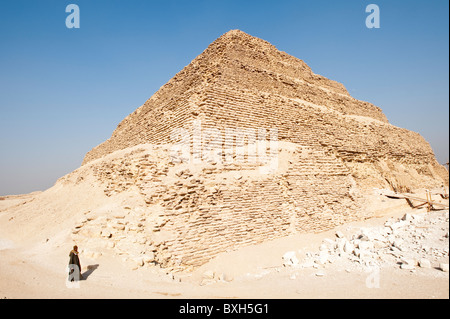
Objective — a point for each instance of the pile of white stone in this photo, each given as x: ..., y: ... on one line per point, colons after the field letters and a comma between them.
x: 210, y: 277
x: 411, y: 242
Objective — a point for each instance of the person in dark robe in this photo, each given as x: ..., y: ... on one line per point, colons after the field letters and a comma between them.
x: 74, y: 265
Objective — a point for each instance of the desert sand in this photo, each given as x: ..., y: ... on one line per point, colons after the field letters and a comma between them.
x: 38, y: 268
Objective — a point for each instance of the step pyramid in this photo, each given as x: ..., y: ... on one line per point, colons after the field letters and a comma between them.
x: 330, y: 148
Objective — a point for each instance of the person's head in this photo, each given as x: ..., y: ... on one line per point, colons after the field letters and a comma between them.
x: 75, y: 248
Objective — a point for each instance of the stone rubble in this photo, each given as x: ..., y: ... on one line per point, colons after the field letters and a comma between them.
x: 185, y: 215
x: 210, y: 277
x: 411, y: 242
x: 290, y: 259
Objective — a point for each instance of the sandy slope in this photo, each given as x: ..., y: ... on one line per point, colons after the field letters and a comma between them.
x: 35, y: 240
x: 34, y: 267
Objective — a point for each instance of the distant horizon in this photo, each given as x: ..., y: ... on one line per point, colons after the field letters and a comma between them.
x: 64, y: 91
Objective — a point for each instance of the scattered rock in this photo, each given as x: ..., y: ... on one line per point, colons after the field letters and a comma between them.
x: 209, y: 274
x: 290, y: 259
x: 363, y: 237
x: 407, y: 267
x: 106, y: 233
x: 307, y: 264
x: 443, y: 267
x: 408, y: 261
x: 405, y: 241
x: 340, y: 243
x: 138, y: 261
x: 398, y: 244
x: 119, y: 226
x: 148, y: 257
x: 323, y: 257
x: 328, y: 241
x: 365, y: 245
x: 227, y: 277
x: 407, y: 217
x: 339, y: 234
x: 424, y: 263
x: 205, y: 282
x: 408, y: 264
x: 320, y: 274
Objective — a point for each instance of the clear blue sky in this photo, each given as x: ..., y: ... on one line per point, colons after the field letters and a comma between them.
x: 63, y: 91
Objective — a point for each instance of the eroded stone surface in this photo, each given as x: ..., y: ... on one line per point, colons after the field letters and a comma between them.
x: 331, y: 146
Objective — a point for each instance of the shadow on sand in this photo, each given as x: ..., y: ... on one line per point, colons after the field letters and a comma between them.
x: 89, y: 271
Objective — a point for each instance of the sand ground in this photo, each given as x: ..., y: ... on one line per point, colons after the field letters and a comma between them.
x: 38, y: 270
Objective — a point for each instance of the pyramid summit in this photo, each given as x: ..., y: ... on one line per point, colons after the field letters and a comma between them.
x: 236, y: 62
x: 138, y: 201
x: 240, y: 80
